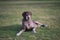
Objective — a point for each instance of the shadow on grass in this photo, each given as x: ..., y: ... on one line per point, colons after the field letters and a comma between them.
x: 9, y: 31
x: 11, y: 27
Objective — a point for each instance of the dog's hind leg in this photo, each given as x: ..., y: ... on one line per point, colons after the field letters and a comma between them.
x: 19, y: 33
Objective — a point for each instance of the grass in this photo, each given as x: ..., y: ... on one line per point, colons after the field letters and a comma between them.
x: 47, y: 13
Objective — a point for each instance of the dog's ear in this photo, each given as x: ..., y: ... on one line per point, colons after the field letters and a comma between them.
x: 30, y: 13
x: 23, y: 14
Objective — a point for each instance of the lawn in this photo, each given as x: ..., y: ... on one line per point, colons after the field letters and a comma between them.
x: 45, y: 12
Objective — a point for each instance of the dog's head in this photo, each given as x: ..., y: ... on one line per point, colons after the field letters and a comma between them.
x: 26, y: 15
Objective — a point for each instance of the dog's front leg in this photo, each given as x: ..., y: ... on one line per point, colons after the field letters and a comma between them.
x: 34, y: 30
x: 19, y: 33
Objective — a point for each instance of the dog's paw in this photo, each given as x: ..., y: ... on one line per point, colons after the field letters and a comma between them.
x: 44, y: 25
x: 34, y: 32
x: 17, y: 34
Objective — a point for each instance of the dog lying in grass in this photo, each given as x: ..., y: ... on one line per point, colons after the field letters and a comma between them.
x: 29, y: 24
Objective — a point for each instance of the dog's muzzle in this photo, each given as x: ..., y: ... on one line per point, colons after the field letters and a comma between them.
x: 28, y: 17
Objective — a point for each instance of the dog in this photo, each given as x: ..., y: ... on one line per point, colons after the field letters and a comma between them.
x: 29, y: 24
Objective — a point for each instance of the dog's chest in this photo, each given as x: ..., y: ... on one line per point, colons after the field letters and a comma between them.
x: 31, y: 24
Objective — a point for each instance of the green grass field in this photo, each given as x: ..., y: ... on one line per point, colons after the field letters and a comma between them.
x: 45, y: 12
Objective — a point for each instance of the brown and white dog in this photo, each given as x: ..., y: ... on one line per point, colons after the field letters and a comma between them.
x: 28, y: 23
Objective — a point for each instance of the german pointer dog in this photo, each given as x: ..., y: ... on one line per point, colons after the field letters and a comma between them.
x: 29, y: 24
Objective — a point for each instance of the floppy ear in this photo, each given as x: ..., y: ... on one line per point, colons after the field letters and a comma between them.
x: 30, y: 13
x: 23, y: 14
